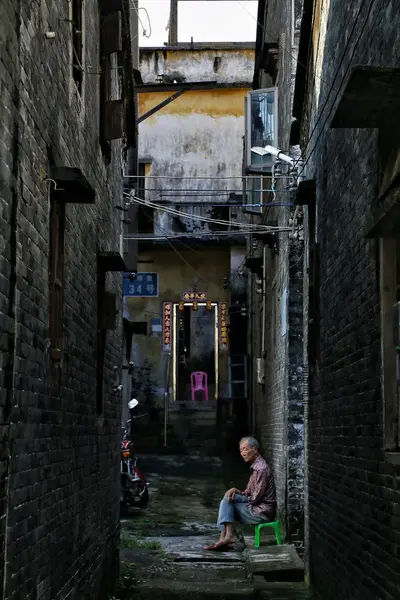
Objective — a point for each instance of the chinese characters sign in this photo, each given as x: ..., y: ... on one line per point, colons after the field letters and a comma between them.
x: 223, y: 324
x: 196, y: 296
x: 167, y: 326
x: 144, y: 285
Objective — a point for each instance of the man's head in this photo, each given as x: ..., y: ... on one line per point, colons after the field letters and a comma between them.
x: 249, y: 449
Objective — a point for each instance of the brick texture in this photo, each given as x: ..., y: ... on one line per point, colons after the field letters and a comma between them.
x: 354, y: 496
x: 58, y: 460
x: 278, y: 418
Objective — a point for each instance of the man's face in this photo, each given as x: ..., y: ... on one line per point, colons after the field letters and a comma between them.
x: 247, y: 452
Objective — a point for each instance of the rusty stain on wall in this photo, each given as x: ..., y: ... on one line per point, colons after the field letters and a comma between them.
x: 234, y: 63
x: 215, y: 103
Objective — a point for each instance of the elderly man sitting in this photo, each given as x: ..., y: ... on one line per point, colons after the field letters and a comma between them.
x: 257, y: 504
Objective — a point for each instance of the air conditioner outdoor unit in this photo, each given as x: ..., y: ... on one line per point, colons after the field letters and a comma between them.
x: 260, y: 366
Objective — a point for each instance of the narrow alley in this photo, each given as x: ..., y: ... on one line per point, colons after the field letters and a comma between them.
x: 162, y: 552
x: 199, y: 299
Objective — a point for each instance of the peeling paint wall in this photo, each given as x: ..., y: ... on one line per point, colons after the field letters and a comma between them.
x: 224, y: 65
x: 176, y: 276
x: 198, y: 135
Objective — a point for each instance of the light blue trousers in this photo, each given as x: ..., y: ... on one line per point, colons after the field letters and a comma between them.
x: 237, y: 509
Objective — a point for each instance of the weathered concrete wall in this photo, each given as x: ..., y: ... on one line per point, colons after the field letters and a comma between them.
x: 176, y: 277
x: 354, y: 532
x: 58, y: 459
x: 217, y: 63
x: 198, y: 135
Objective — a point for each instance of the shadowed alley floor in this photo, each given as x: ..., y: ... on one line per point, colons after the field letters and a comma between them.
x: 162, y: 546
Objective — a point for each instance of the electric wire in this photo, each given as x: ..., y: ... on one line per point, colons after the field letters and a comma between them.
x: 178, y: 253
x: 180, y: 213
x: 136, y: 9
x: 304, y: 153
x: 245, y: 226
x: 197, y: 234
x: 331, y: 85
x: 202, y: 177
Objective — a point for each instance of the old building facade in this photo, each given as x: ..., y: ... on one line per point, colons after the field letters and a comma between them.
x: 66, y: 85
x: 190, y: 154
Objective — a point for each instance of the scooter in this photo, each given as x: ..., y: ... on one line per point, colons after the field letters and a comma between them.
x: 134, y: 487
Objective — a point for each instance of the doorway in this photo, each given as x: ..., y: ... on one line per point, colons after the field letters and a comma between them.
x: 195, y: 347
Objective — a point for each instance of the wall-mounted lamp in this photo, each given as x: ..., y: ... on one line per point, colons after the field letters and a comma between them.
x: 274, y: 152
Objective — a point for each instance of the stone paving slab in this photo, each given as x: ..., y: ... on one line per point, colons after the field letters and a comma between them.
x: 180, y: 518
x: 276, y: 563
x: 190, y: 549
x: 194, y: 590
x: 209, y: 572
x: 285, y: 591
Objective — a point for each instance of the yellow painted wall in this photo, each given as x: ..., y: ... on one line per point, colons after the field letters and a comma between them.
x: 216, y: 103
x: 176, y: 277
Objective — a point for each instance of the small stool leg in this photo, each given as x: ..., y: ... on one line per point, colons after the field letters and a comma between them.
x: 278, y: 534
x: 257, y: 537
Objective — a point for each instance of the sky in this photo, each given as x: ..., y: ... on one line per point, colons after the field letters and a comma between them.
x: 204, y: 20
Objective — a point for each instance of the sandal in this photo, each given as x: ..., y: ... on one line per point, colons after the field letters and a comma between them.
x: 218, y: 546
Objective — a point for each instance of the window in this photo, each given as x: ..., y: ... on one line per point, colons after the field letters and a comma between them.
x: 139, y: 327
x: 56, y: 277
x: 145, y: 219
x: 112, y: 107
x: 77, y: 42
x: 254, y: 186
x: 261, y: 116
x: 390, y: 327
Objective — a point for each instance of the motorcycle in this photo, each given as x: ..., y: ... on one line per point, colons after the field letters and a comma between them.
x: 134, y: 487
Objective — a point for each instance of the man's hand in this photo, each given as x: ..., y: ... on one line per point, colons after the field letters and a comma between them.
x: 230, y: 493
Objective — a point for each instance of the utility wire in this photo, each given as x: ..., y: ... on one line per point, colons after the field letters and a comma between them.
x: 136, y: 9
x: 331, y: 85
x: 333, y: 81
x: 245, y: 226
x: 177, y: 251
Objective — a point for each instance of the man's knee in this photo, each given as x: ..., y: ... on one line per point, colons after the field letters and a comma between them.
x: 224, y: 501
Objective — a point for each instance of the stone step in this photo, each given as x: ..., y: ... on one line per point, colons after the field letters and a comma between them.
x: 282, y: 590
x: 275, y: 563
x: 193, y: 417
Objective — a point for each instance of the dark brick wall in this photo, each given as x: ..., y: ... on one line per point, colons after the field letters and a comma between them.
x: 278, y: 419
x: 295, y: 416
x: 354, y: 497
x: 59, y: 488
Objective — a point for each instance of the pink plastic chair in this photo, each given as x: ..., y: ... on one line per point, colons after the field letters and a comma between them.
x: 199, y: 383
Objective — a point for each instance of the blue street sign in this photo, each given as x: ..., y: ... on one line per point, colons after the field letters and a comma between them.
x: 145, y: 285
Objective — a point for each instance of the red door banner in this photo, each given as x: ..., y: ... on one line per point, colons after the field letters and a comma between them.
x: 167, y: 326
x: 223, y: 324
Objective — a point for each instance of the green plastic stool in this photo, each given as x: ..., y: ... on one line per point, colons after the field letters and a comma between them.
x: 275, y: 525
